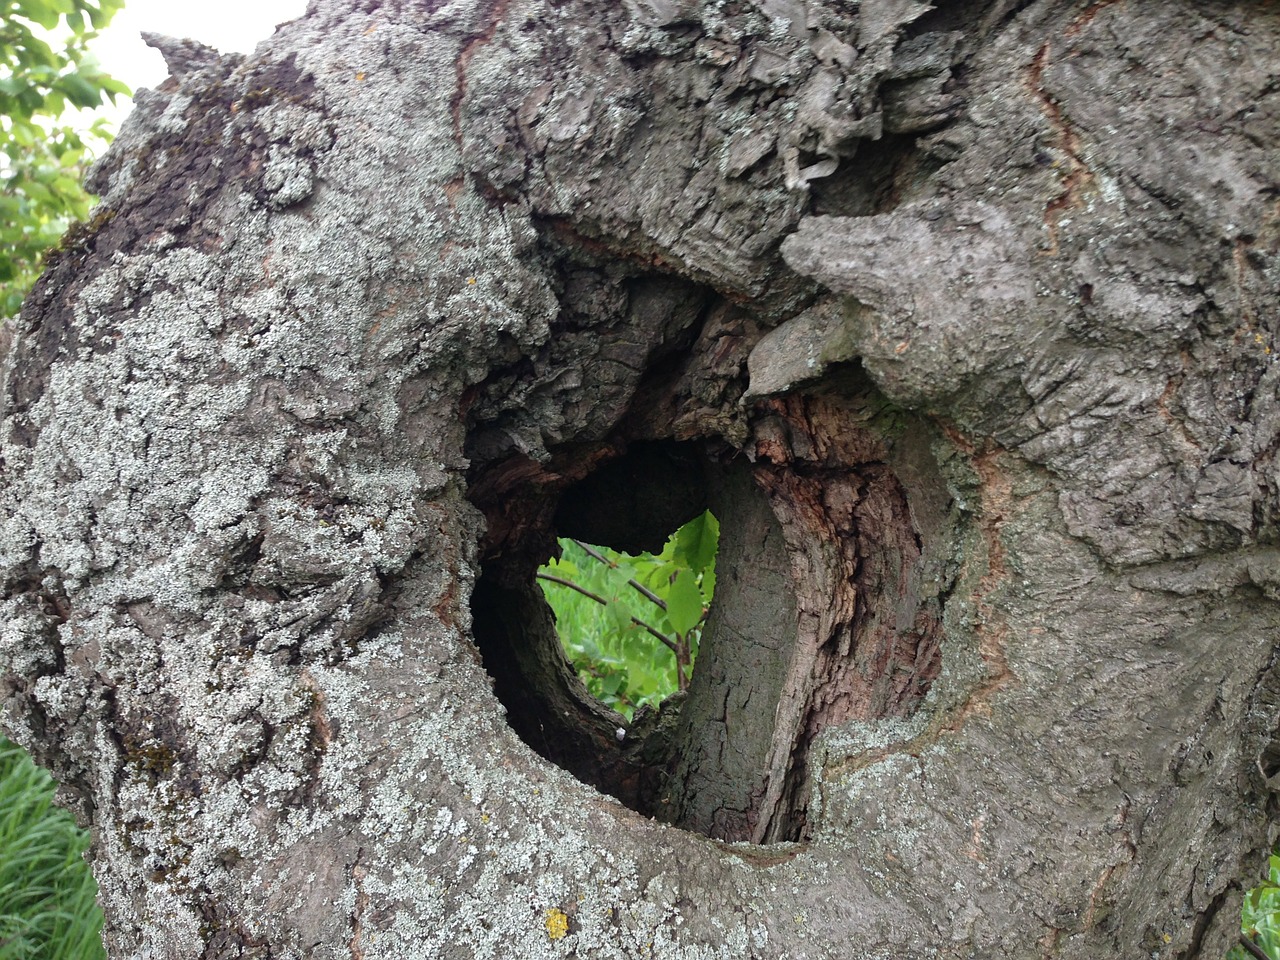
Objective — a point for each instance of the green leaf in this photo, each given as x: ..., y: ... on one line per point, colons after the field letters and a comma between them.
x: 658, y: 577
x: 620, y: 617
x: 39, y: 192
x: 709, y: 583
x: 684, y: 603
x: 80, y: 91
x: 101, y: 14
x: 42, y: 13
x: 697, y: 542
x: 114, y: 86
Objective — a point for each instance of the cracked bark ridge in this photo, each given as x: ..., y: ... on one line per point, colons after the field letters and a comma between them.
x: 358, y: 310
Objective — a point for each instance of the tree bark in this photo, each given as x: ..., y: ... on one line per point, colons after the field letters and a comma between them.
x: 963, y: 319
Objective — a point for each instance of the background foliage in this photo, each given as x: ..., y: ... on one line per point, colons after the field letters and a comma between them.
x: 45, y: 68
x: 631, y: 625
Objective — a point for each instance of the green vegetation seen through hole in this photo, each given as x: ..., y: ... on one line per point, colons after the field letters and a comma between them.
x: 630, y: 625
x: 1260, y: 924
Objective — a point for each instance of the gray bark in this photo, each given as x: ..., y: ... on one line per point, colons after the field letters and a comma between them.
x: 963, y: 318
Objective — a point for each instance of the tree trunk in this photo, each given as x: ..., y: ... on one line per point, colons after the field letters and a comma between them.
x: 962, y: 319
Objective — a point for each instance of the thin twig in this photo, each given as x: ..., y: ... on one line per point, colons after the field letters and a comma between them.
x: 603, y: 602
x: 658, y: 634
x: 644, y: 591
x: 573, y: 586
x: 1253, y: 948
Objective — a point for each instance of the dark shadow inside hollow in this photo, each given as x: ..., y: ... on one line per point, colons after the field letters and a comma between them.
x: 636, y: 502
x: 547, y: 705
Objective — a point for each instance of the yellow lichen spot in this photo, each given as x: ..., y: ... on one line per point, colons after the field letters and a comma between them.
x: 484, y: 818
x: 471, y: 281
x: 359, y: 75
x: 557, y: 923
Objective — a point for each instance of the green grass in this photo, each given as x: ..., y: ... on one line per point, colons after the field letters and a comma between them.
x: 47, y: 905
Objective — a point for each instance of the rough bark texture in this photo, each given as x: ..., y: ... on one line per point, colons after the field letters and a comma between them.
x: 964, y: 319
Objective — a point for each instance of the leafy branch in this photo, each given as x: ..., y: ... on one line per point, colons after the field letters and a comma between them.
x: 654, y: 631
x: 1260, y: 921
x: 631, y: 582
x: 607, y: 602
x: 42, y: 161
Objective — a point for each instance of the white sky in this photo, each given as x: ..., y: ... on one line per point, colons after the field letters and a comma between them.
x: 228, y: 25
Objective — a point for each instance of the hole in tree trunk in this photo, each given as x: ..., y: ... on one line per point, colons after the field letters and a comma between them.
x: 631, y: 504
x: 828, y: 598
